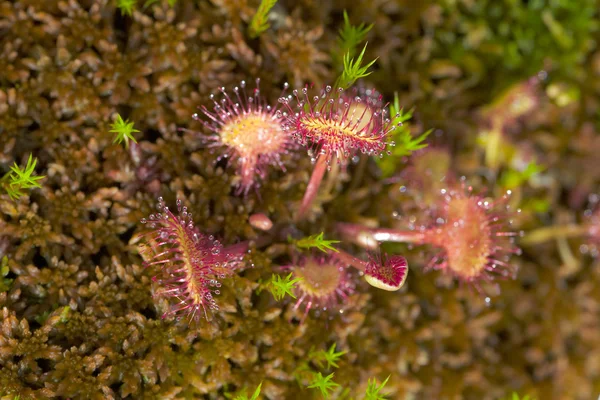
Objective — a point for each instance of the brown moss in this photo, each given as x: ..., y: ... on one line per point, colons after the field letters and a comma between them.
x: 297, y: 52
x: 75, y: 375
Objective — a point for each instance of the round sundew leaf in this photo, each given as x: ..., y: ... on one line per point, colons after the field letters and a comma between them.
x: 475, y: 234
x: 388, y: 273
x: 248, y: 131
x: 324, y: 284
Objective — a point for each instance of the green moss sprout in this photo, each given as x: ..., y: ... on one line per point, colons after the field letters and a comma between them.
x: 282, y: 286
x: 373, y: 389
x: 19, y: 179
x: 124, y: 131
x: 244, y: 396
x: 259, y: 22
x: 316, y: 241
x: 349, y: 38
x: 353, y: 69
x: 126, y: 6
x: 405, y: 142
x: 324, y: 384
x: 329, y: 357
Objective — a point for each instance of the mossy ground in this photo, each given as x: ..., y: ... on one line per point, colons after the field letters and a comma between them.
x: 77, y: 317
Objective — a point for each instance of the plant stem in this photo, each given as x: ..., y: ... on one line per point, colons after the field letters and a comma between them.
x: 546, y: 233
x: 349, y: 259
x: 370, y: 237
x: 313, y: 187
x: 332, y: 178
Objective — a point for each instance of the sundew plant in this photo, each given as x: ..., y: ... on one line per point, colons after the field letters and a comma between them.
x: 219, y: 199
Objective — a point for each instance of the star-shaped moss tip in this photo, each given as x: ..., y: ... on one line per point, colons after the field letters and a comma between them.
x: 123, y: 130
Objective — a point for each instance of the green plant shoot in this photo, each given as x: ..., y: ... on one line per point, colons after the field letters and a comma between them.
x: 331, y: 357
x: 373, y: 390
x: 353, y: 69
x: 126, y: 6
x: 260, y: 21
x: 324, y: 384
x: 244, y: 396
x: 351, y: 36
x: 280, y: 287
x: 17, y: 179
x: 316, y: 241
x: 124, y: 131
x: 404, y: 143
x: 348, y: 40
